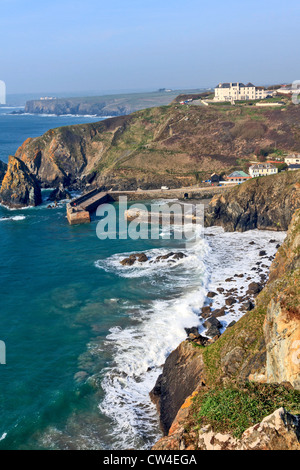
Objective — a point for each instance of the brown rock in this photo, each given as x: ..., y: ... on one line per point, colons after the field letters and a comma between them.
x: 19, y: 188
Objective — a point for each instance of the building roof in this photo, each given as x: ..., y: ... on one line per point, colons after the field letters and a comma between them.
x: 228, y: 85
x: 262, y: 166
x: 238, y: 174
x: 294, y: 166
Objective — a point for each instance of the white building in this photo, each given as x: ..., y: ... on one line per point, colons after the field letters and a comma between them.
x: 292, y: 159
x: 240, y: 92
x: 262, y: 169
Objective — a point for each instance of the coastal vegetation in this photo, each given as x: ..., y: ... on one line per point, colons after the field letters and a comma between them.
x: 235, y: 408
x: 175, y: 145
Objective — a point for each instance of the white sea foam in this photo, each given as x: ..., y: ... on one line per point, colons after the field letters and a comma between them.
x: 141, y: 349
x: 233, y: 255
x: 16, y: 218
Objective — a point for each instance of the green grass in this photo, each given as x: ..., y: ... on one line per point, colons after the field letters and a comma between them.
x: 234, y: 410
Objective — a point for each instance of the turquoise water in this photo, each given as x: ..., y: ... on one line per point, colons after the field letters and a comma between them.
x: 84, y: 338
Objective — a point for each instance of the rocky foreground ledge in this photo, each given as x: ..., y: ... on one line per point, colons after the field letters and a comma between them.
x: 242, y: 390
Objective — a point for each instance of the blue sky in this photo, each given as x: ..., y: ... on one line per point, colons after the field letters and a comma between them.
x: 72, y: 45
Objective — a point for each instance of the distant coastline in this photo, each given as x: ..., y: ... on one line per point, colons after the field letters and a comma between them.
x: 103, y: 106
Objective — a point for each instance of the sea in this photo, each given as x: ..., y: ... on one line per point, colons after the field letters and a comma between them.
x: 86, y: 337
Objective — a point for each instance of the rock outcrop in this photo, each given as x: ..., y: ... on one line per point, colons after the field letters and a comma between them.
x: 266, y: 203
x: 278, y: 431
x: 19, y: 187
x: 182, y: 373
x: 282, y: 322
x: 58, y: 194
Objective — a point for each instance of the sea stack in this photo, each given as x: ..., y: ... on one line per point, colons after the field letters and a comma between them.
x: 19, y: 188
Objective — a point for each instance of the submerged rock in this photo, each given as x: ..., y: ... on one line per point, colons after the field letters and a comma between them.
x: 142, y: 258
x: 19, y: 188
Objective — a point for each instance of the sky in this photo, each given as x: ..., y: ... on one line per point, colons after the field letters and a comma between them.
x: 115, y: 45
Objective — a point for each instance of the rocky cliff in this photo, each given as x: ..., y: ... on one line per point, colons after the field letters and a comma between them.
x: 266, y: 203
x: 19, y: 187
x: 234, y: 383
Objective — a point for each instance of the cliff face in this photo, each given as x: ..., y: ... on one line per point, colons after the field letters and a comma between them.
x: 181, y: 375
x: 19, y: 188
x: 260, y: 203
x: 282, y: 322
x: 263, y: 347
x: 174, y: 145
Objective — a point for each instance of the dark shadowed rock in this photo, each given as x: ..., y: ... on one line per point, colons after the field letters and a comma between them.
x: 254, y: 288
x: 205, y: 311
x: 248, y: 306
x: 59, y: 194
x: 219, y: 312
x: 182, y: 373
x: 213, y: 326
x: 211, y: 294
x: 140, y: 257
x: 230, y: 301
